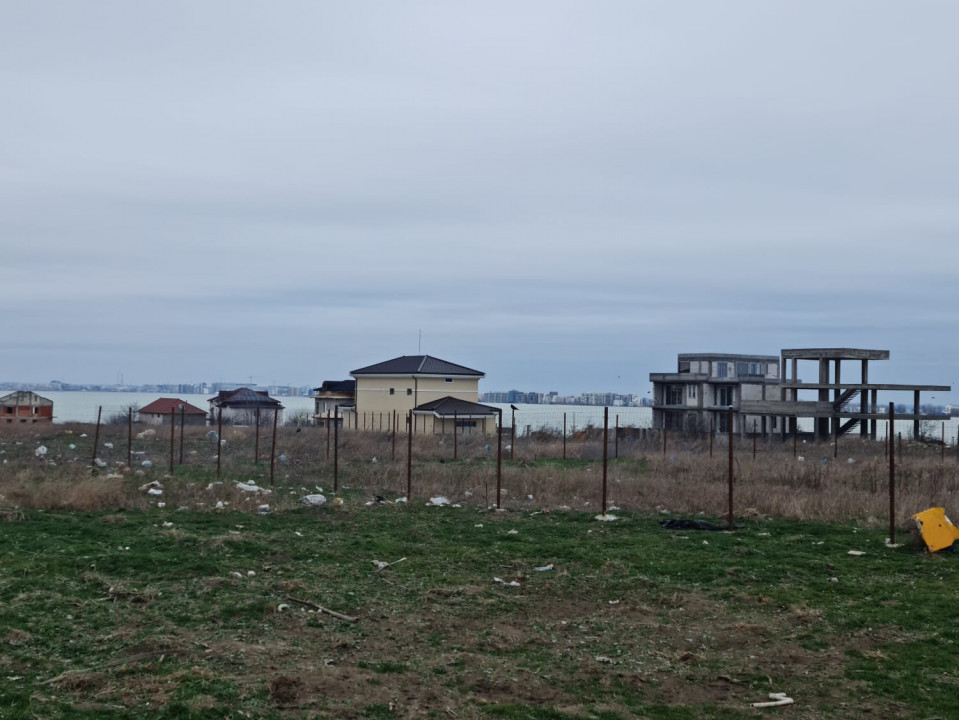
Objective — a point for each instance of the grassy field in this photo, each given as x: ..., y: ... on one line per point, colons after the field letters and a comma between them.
x: 119, y: 604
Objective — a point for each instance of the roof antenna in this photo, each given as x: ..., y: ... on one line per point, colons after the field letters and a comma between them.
x: 419, y: 347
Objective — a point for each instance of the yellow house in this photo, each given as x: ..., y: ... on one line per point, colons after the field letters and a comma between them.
x: 416, y: 383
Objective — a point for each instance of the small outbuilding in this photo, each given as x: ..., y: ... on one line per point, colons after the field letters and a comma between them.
x: 25, y: 406
x: 244, y: 406
x: 160, y: 411
x: 441, y: 416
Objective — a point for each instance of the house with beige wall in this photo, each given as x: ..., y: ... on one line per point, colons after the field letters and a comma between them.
x: 416, y: 383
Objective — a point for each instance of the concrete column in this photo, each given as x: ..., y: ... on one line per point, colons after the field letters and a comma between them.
x: 822, y: 424
x: 864, y: 401
x: 835, y: 399
x: 915, y: 410
x: 874, y: 403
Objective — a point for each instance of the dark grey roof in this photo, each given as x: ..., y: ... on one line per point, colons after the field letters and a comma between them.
x: 449, y: 406
x: 416, y: 365
x: 245, y: 397
x: 336, y: 386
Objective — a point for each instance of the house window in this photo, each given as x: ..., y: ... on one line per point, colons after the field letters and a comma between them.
x: 724, y: 395
x: 691, y: 392
x: 684, y: 366
x: 674, y: 395
x: 409, y: 391
x: 392, y: 391
x: 721, y: 369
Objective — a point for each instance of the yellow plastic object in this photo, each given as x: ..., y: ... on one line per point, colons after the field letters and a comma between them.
x: 936, y: 529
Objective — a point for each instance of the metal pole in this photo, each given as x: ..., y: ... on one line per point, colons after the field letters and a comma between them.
x: 730, y: 523
x: 182, y: 420
x: 605, y: 453
x: 512, y: 437
x: 664, y: 434
x: 710, y: 438
x: 219, y: 439
x: 795, y: 440
x: 499, y: 459
x: 892, y: 476
x: 564, y: 440
x: 942, y: 448
x: 96, y: 439
x: 130, y: 436
x: 393, y: 451
x: 327, y: 435
x: 256, y: 441
x: 754, y: 440
x: 273, y: 445
x: 455, y: 420
x: 336, y: 448
x: 172, y: 434
x: 409, y: 458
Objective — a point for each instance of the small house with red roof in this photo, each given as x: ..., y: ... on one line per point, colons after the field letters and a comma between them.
x: 161, y: 411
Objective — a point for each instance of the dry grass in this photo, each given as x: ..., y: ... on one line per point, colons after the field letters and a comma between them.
x: 851, y: 484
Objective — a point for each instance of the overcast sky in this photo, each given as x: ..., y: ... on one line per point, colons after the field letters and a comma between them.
x: 562, y: 195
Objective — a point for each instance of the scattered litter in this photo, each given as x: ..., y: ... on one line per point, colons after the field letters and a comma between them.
x: 892, y: 545
x: 314, y: 499
x: 337, y: 501
x: 763, y: 534
x: 529, y: 497
x: 512, y: 532
x: 146, y: 464
x: 149, y: 433
x: 114, y: 476
x: 99, y: 463
x: 511, y: 583
x: 478, y: 525
x: 833, y: 579
x: 108, y: 446
x: 776, y: 700
x: 72, y: 446
x: 399, y: 500
x: 438, y: 501
x: 250, y: 487
x: 705, y: 542
x: 40, y: 451
x: 380, y: 564
x: 250, y: 573
x: 156, y: 484
x: 265, y: 509
x: 84, y: 434
x: 283, y: 458
x: 281, y: 607
x: 236, y: 575
x: 936, y: 529
x: 855, y: 552
x: 167, y: 524
x: 544, y: 568
x: 851, y: 461
x: 614, y: 602
x: 163, y: 505
x: 219, y: 505
x: 154, y: 491
x: 606, y: 518
x: 800, y: 459
x: 603, y: 659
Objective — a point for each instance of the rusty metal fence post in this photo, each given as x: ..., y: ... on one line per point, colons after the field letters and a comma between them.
x: 730, y: 423
x: 605, y: 453
x: 96, y: 439
x: 892, y: 475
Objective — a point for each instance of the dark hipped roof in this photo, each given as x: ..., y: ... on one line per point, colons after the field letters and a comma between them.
x: 416, y: 365
x: 336, y: 386
x: 244, y: 397
x: 449, y: 406
x: 163, y: 406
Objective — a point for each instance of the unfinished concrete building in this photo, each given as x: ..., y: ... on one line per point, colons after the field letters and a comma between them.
x: 840, y: 406
x: 767, y: 395
x: 697, y: 397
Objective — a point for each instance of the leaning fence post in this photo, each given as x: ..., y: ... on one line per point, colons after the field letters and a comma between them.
x: 499, y: 459
x: 273, y: 446
x: 219, y: 439
x: 892, y: 476
x: 616, y: 441
x: 409, y: 457
x: 130, y: 436
x: 605, y: 453
x: 336, y: 448
x: 256, y: 435
x: 172, y: 434
x: 754, y: 439
x: 182, y: 419
x: 730, y: 411
x: 393, y: 448
x: 564, y: 440
x: 96, y: 439
x: 455, y: 416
